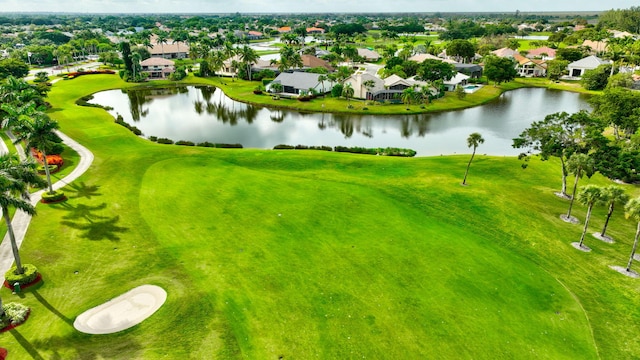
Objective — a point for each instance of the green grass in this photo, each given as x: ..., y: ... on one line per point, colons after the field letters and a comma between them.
x: 307, y: 254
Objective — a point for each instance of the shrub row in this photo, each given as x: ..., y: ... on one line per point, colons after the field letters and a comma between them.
x: 75, y: 74
x: 356, y: 150
x: 84, y: 101
x: 133, y: 129
x: 191, y: 143
x: 302, y: 147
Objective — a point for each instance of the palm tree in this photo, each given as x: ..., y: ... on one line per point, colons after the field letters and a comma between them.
x: 408, y: 95
x: 135, y: 63
x: 632, y: 210
x: 474, y: 140
x: 249, y: 57
x: 347, y: 92
x: 37, y: 131
x: 611, y: 195
x: 322, y: 78
x: 579, y: 165
x: 15, y: 179
x: 589, y: 196
x: 161, y: 38
x: 369, y: 84
x: 217, y: 62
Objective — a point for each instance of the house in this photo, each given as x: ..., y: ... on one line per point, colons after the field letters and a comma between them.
x: 544, y: 53
x: 577, y: 68
x: 301, y: 83
x: 228, y: 68
x: 504, y: 52
x: 169, y: 50
x: 529, y: 67
x: 420, y: 58
x: 389, y: 89
x: 284, y: 29
x: 315, y: 30
x: 458, y: 79
x: 310, y: 61
x: 395, y: 82
x: 157, y: 67
x: 368, y: 55
x: 253, y: 35
x: 473, y: 70
x: 596, y: 47
x: 357, y: 82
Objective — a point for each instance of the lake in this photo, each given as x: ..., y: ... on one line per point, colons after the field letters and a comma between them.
x: 202, y: 113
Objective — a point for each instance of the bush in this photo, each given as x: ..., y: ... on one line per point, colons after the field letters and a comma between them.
x: 58, y: 195
x: 185, y: 143
x: 29, y: 276
x: 52, y: 168
x: 336, y: 92
x: 206, y: 144
x: 15, y: 314
x: 153, y: 138
x: 283, y: 147
x: 164, y: 141
x: 377, y: 151
x: 229, y: 146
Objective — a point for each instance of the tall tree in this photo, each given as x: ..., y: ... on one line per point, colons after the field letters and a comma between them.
x: 499, y: 69
x: 632, y: 210
x: 474, y: 140
x: 38, y: 131
x: 579, y: 165
x: 460, y: 48
x: 559, y: 135
x: 612, y: 195
x: 15, y: 179
x: 433, y: 70
x: 408, y: 95
x: 248, y: 56
x: 162, y: 38
x: 322, y: 78
x: 347, y: 92
x: 589, y: 196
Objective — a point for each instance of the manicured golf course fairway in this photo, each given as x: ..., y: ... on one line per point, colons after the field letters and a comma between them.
x: 271, y: 254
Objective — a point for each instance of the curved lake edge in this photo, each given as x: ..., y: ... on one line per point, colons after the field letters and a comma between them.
x: 216, y: 120
x: 230, y: 88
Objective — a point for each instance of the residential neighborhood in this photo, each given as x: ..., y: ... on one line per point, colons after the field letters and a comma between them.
x: 319, y: 180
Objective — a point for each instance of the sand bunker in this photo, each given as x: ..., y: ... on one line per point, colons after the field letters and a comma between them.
x: 122, y: 312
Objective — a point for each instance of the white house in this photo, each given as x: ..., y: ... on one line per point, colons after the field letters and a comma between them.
x: 357, y: 82
x: 577, y: 68
x: 459, y: 79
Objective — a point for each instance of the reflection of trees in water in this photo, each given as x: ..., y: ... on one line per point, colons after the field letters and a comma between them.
x: 345, y: 124
x: 348, y: 124
x: 276, y: 116
x: 139, y: 97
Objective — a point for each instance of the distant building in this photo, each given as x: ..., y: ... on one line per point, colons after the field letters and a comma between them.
x: 368, y: 55
x: 315, y: 30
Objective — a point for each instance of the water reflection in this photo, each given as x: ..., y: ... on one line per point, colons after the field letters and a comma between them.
x: 203, y: 113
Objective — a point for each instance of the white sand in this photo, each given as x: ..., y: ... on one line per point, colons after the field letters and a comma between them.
x: 122, y: 312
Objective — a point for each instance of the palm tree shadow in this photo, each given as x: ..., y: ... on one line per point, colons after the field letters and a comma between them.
x: 82, y: 190
x: 100, y: 230
x: 55, y: 311
x: 82, y: 211
x: 26, y: 345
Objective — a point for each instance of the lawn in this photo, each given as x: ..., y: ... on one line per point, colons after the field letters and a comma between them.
x: 307, y: 254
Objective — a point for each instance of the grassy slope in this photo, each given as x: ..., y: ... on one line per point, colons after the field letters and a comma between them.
x: 313, y: 254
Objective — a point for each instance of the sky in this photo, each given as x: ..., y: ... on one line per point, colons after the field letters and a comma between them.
x: 308, y: 6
